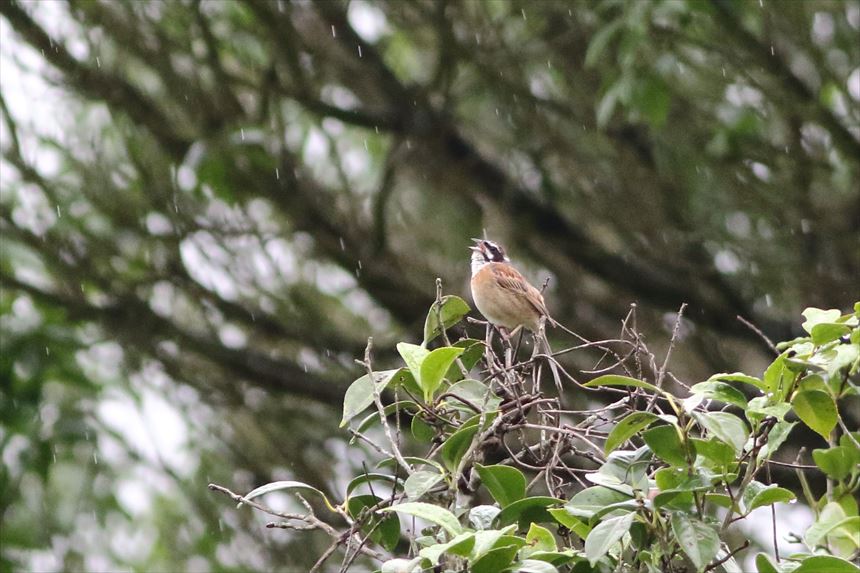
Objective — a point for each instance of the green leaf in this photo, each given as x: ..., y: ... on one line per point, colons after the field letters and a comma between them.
x: 721, y: 391
x: 528, y: 510
x: 420, y: 483
x: 494, y: 560
x: 506, y: 484
x: 838, y: 462
x: 421, y: 430
x: 605, y: 535
x: 826, y: 564
x: 429, y: 512
x: 359, y: 395
x: 473, y: 350
x: 452, y: 310
x: 490, y: 539
x: 434, y: 367
x: 739, y: 377
x: 776, y: 438
x: 615, y: 380
x: 453, y: 449
x: 285, y: 485
x: 414, y: 356
x: 817, y: 410
x: 816, y: 316
x: 830, y: 516
x: 384, y: 530
x: 764, y: 564
x: 460, y: 545
x: 535, y: 565
x: 483, y: 516
x: 666, y: 444
x: 697, y: 539
x: 476, y: 393
x: 758, y: 495
x: 627, y: 427
x: 539, y: 539
x: 368, y: 478
x: 564, y: 517
x: 825, y: 332
x: 727, y: 427
x: 720, y: 454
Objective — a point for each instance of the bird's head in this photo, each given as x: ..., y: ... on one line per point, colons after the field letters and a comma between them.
x: 485, y: 251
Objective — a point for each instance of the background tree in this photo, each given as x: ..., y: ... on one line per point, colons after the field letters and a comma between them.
x: 233, y: 195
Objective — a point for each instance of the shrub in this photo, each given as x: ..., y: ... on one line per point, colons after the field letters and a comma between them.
x: 507, y: 480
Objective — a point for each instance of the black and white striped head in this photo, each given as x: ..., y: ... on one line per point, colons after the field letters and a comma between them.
x: 484, y: 251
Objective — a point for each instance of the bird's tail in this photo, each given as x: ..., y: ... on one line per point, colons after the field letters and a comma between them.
x: 542, y: 347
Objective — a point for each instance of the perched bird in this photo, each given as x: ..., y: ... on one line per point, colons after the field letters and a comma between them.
x: 502, y: 293
x: 507, y: 300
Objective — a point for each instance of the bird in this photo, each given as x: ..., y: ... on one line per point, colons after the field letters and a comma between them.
x: 507, y: 299
x: 502, y: 294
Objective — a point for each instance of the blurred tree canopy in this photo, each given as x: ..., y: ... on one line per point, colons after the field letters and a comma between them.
x: 233, y: 195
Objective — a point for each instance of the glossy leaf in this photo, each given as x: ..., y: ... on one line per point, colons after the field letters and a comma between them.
x: 414, y: 356
x: 616, y: 380
x: 433, y: 369
x: 539, y: 539
x: 481, y: 517
x: 505, y: 483
x: 727, y: 427
x: 384, y: 530
x: 360, y: 393
x: 666, y: 445
x: 697, y: 539
x: 758, y: 495
x: 574, y: 524
x: 605, y: 535
x: 721, y: 391
x: 429, y: 512
x: 817, y: 410
x: 461, y: 545
x: 826, y: 564
x: 451, y: 311
x: 453, y: 449
x: 420, y: 482
x: 494, y: 560
x: 286, y: 485
x: 627, y: 427
x: 838, y: 462
x: 739, y: 377
x: 529, y: 509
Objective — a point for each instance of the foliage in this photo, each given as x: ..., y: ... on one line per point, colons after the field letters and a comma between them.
x: 206, y: 207
x: 674, y: 474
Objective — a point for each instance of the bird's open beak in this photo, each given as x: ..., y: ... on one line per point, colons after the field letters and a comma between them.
x: 478, y: 247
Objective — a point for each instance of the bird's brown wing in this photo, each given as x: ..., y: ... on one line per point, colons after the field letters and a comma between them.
x: 513, y: 281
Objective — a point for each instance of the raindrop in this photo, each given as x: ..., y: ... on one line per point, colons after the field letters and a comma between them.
x: 54, y: 454
x: 47, y: 351
x: 376, y: 129
x: 253, y: 318
x: 761, y: 3
x: 96, y: 458
x: 221, y: 522
x: 792, y: 500
x: 365, y: 144
x: 771, y: 50
x: 359, y: 264
x: 333, y: 33
x: 523, y: 10
x: 98, y: 62
x: 359, y: 50
x: 724, y: 71
x: 342, y: 244
x: 242, y: 133
x: 58, y: 212
x: 277, y: 174
x: 408, y: 144
x: 768, y: 300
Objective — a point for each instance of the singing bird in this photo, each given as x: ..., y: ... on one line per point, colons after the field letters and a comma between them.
x: 502, y: 293
x: 509, y: 301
